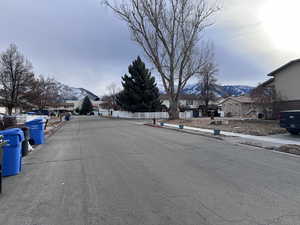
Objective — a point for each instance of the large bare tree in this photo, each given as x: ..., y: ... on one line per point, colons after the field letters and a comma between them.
x: 15, y: 77
x: 169, y: 32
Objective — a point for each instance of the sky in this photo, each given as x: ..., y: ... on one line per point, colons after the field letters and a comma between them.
x: 83, y: 44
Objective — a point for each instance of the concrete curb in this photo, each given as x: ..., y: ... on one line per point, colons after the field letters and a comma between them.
x: 186, y: 131
x: 49, y: 133
x: 273, y: 140
x: 248, y: 143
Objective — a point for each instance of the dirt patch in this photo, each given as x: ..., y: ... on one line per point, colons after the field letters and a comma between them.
x: 251, y: 127
x: 292, y: 149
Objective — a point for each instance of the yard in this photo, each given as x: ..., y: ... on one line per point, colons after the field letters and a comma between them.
x: 245, y: 126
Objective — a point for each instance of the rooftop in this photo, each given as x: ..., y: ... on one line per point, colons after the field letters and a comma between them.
x: 283, y: 67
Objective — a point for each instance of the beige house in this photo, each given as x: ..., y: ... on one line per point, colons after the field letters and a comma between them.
x: 286, y: 82
x: 242, y: 106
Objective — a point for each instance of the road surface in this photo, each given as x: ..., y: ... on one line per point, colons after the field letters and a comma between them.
x: 114, y: 172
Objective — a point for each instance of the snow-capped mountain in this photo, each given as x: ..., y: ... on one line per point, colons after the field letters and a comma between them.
x: 221, y: 90
x: 71, y: 93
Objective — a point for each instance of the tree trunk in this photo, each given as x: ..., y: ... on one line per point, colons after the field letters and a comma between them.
x: 206, y: 107
x: 173, y: 111
x: 9, y: 110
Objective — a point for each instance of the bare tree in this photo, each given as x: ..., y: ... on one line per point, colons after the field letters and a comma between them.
x: 207, y: 83
x: 169, y: 32
x: 113, y: 90
x: 15, y: 77
x: 110, y: 100
x: 45, y: 92
x: 266, y: 97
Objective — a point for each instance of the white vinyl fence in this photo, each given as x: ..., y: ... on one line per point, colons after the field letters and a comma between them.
x: 22, y: 118
x: 145, y: 115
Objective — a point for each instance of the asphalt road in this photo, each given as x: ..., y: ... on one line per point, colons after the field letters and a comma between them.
x: 113, y: 172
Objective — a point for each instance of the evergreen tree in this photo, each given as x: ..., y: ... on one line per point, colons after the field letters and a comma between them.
x: 87, y: 106
x: 140, y: 93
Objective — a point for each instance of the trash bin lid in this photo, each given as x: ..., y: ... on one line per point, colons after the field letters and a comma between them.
x: 35, y: 121
x: 13, y: 131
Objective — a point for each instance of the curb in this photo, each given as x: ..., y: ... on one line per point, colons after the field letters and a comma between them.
x: 253, y: 145
x: 51, y: 132
x: 185, y: 131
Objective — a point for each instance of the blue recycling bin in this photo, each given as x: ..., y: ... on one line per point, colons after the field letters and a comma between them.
x: 12, y: 151
x: 37, y: 131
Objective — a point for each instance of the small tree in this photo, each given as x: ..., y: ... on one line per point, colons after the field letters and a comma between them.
x: 110, y: 100
x: 87, y: 106
x: 207, y: 83
x: 15, y: 77
x: 140, y: 93
x: 77, y: 110
x: 266, y: 97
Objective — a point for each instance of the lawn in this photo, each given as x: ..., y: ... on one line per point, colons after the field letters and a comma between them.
x: 244, y: 126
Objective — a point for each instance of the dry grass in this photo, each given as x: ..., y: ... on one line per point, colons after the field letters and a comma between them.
x: 252, y: 127
x: 292, y: 149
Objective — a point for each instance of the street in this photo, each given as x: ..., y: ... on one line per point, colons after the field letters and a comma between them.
x: 115, y: 172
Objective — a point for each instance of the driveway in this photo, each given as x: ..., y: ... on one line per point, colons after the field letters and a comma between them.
x: 113, y: 172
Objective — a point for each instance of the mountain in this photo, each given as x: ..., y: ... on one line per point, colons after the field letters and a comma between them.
x: 71, y: 93
x: 221, y: 90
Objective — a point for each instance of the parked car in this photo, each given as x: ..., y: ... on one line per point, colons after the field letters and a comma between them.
x: 290, y: 120
x: 2, y: 115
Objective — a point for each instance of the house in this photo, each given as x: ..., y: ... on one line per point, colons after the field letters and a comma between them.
x: 188, y: 101
x: 62, y: 107
x: 77, y: 104
x: 242, y: 106
x: 191, y: 102
x: 286, y: 81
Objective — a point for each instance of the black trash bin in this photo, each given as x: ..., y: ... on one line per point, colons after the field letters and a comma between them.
x: 9, y: 121
x: 2, y: 143
x: 25, y: 143
x: 1, y: 160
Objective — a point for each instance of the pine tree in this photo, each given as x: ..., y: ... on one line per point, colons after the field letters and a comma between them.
x: 87, y: 106
x: 140, y: 93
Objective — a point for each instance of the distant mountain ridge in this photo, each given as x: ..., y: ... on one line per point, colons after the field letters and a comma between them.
x: 75, y: 94
x: 221, y: 90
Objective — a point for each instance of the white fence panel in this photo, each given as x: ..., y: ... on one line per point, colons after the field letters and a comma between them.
x: 25, y: 118
x: 186, y: 115
x: 145, y: 115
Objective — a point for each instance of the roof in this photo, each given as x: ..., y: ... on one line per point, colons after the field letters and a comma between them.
x: 240, y: 99
x: 267, y: 82
x: 181, y: 97
x: 283, y: 67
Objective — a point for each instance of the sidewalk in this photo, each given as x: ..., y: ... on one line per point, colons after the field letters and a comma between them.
x: 268, y: 139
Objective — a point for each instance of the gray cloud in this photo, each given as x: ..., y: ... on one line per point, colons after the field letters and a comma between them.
x: 81, y: 43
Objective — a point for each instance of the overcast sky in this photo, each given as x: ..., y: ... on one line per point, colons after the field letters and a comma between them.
x: 82, y: 44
